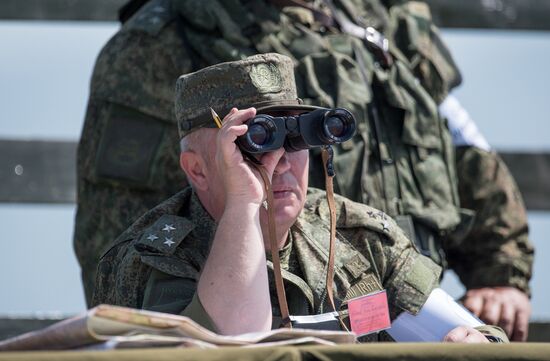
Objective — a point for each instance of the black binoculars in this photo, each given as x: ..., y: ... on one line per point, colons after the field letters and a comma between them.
x: 296, y: 132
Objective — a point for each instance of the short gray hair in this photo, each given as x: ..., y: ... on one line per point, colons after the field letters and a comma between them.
x: 190, y: 142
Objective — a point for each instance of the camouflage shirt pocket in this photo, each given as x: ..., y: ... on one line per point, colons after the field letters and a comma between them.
x: 420, y: 41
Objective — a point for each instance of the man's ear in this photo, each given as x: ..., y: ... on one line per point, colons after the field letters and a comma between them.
x: 195, y: 169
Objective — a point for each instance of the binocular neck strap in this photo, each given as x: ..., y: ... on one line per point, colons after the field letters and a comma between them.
x: 281, y: 294
x: 327, y: 156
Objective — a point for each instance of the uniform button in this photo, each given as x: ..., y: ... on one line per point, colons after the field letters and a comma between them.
x: 388, y: 161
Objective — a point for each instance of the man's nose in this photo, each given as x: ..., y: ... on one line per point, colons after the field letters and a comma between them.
x: 283, y: 165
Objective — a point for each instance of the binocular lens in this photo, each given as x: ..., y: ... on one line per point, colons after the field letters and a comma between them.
x: 296, y: 132
x: 335, y: 126
x: 258, y: 134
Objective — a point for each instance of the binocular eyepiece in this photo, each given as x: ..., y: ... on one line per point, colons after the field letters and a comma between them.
x: 309, y: 130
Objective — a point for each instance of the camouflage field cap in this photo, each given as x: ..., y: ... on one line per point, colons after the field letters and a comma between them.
x: 264, y: 81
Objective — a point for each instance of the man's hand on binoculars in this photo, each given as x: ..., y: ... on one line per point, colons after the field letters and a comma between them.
x: 243, y: 184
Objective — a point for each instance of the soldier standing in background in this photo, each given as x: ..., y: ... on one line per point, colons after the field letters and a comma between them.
x: 402, y: 159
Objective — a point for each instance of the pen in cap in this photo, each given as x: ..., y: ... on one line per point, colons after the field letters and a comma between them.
x: 216, y: 118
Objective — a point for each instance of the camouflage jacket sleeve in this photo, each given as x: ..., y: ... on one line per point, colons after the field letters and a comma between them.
x: 119, y: 276
x: 409, y: 277
x: 497, y: 250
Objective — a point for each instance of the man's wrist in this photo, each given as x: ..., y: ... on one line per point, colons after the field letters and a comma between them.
x: 501, y: 275
x: 242, y: 207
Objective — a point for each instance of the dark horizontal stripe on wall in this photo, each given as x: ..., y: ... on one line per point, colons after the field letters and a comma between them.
x: 479, y: 14
x: 532, y: 173
x: 495, y: 14
x: 94, y: 10
x: 45, y: 172
x: 37, y: 171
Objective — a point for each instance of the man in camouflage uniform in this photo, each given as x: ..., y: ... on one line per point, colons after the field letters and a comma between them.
x: 401, y: 160
x: 201, y: 253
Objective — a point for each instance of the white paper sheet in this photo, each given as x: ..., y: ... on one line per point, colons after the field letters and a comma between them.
x: 439, y: 315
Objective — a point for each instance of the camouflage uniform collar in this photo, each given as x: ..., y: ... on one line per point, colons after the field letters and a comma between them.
x: 199, y: 215
x: 284, y: 253
x: 291, y: 272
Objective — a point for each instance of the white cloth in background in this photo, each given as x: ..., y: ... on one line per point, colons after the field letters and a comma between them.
x: 463, y: 128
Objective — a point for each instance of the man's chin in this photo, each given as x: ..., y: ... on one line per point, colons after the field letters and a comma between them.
x: 287, y: 210
x: 286, y: 214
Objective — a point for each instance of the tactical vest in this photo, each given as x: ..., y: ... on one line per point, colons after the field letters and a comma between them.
x: 401, y: 160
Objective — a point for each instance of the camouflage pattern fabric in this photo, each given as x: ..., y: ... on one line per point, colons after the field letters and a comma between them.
x: 403, y: 164
x: 486, y: 185
x: 263, y: 81
x: 130, y: 112
x: 496, y: 250
x: 157, y: 262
